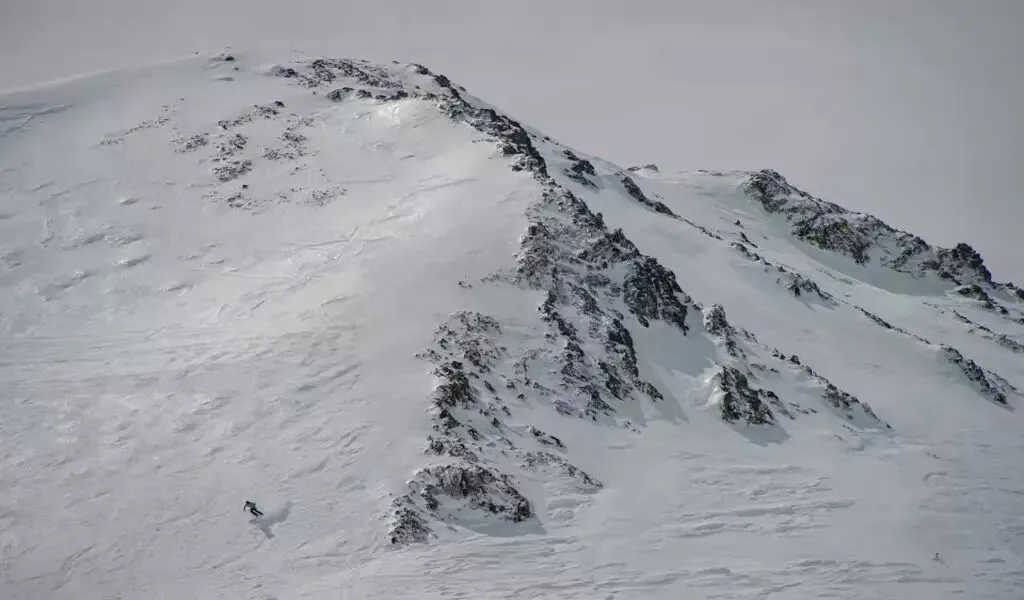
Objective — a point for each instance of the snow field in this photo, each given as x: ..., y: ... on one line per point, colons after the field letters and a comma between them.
x: 173, y: 344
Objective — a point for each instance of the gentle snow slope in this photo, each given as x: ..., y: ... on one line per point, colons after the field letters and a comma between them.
x: 411, y: 331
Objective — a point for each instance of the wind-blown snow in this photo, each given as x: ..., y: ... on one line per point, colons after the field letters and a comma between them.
x: 449, y: 357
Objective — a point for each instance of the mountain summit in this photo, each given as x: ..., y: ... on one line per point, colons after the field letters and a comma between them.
x: 448, y: 355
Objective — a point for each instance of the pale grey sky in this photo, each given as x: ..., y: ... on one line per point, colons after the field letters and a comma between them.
x: 907, y: 109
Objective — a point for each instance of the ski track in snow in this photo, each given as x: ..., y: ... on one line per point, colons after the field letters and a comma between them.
x: 173, y: 343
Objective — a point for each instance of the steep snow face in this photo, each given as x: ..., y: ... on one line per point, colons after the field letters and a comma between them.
x: 435, y: 345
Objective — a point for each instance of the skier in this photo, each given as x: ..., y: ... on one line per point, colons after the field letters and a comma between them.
x: 251, y: 507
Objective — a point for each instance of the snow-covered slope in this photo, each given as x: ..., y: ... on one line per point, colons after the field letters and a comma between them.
x: 449, y: 356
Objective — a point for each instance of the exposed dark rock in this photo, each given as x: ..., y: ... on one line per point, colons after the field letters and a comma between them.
x: 470, y: 334
x: 637, y: 194
x: 450, y: 446
x: 546, y: 439
x: 848, y: 403
x: 481, y: 487
x: 580, y: 170
x: 455, y: 389
x: 619, y: 343
x: 648, y: 166
x: 883, y: 323
x: 408, y: 525
x: 772, y: 189
x: 833, y: 228
x: 701, y: 228
x: 877, y: 319
x: 340, y: 94
x: 962, y: 258
x: 564, y: 250
x: 609, y: 250
x: 541, y: 460
x: 835, y: 236
x: 444, y: 491
x: 287, y: 72
x: 746, y: 253
x: 740, y: 402
x: 986, y: 383
x: 976, y: 292
x: 798, y: 284
x: 963, y: 319
x: 512, y: 137
x: 716, y: 324
x: 650, y: 291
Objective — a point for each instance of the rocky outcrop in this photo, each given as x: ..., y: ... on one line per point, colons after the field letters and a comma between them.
x: 453, y: 492
x: 480, y: 384
x: 851, y: 407
x: 652, y: 293
x: 748, y: 254
x: 976, y: 292
x: 961, y: 263
x: 988, y: 384
x: 581, y: 171
x: 739, y: 402
x: 798, y: 285
x: 409, y: 524
x: 554, y: 465
x: 864, y: 238
x: 568, y: 251
x: 634, y: 191
x: 716, y: 324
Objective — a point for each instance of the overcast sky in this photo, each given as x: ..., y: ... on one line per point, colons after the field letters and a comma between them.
x: 906, y: 109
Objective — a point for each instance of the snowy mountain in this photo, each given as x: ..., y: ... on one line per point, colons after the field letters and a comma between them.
x: 449, y: 356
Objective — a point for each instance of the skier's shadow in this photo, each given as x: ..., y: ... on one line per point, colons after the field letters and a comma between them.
x: 268, y: 520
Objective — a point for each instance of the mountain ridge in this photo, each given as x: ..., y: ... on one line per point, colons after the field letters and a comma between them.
x: 580, y: 333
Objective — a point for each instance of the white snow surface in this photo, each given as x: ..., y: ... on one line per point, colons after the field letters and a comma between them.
x: 172, y: 345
